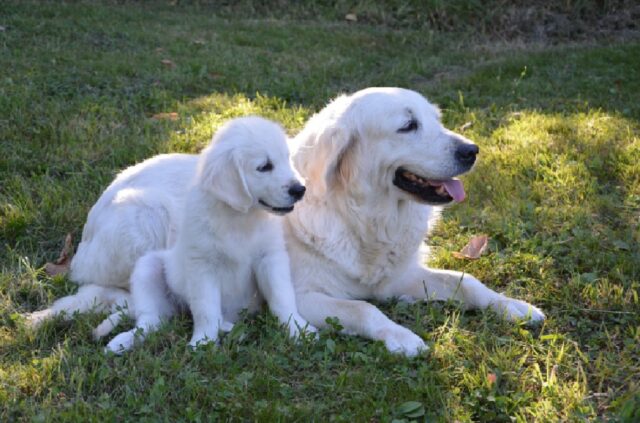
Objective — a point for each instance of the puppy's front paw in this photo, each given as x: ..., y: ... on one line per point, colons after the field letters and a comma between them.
x: 226, y: 327
x: 199, y: 339
x: 400, y: 340
x: 515, y: 310
x: 298, y: 326
x: 121, y: 343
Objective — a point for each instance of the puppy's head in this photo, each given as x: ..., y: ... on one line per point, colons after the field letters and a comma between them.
x: 384, y: 141
x: 247, y: 165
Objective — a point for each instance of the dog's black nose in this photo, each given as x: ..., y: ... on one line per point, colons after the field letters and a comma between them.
x: 297, y: 191
x: 466, y: 153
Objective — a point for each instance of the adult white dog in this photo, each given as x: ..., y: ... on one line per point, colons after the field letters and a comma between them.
x: 379, y: 165
x: 229, y: 254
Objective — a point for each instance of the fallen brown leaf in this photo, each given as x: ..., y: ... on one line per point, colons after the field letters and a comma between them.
x: 165, y: 116
x: 168, y: 63
x: 491, y: 378
x: 61, y: 265
x: 474, y: 248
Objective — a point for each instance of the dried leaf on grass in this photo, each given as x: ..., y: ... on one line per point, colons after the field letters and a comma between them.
x: 491, y: 378
x: 165, y: 116
x: 474, y: 248
x: 168, y: 63
x: 61, y: 265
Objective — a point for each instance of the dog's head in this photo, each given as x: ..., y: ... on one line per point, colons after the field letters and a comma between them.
x: 247, y: 165
x: 384, y: 141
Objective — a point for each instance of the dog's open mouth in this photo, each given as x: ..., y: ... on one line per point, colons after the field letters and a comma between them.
x: 278, y: 210
x: 429, y: 190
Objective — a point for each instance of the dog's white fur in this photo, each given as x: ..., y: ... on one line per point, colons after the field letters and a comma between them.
x: 355, y: 236
x: 229, y: 254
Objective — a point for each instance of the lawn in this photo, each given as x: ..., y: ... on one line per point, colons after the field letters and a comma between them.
x: 88, y: 88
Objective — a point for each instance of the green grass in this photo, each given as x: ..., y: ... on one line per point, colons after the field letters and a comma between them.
x: 557, y: 189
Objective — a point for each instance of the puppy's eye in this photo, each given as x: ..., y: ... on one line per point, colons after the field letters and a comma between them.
x: 267, y: 167
x: 410, y: 126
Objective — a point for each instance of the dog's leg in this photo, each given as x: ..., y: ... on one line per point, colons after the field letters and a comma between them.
x: 360, y: 318
x: 122, y: 306
x: 150, y: 301
x: 107, y: 325
x: 88, y: 298
x: 274, y: 280
x: 442, y: 285
x: 204, y: 298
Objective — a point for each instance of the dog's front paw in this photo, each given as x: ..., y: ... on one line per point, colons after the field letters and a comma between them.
x: 226, y: 327
x: 515, y: 310
x: 121, y: 343
x: 202, y: 338
x: 400, y: 340
x: 298, y: 325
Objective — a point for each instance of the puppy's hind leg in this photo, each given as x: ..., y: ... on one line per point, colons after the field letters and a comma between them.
x: 88, y: 298
x: 151, y: 302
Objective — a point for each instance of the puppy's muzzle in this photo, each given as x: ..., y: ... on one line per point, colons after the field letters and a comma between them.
x: 296, y: 191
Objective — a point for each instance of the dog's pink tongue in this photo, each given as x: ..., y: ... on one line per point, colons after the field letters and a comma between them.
x: 455, y: 189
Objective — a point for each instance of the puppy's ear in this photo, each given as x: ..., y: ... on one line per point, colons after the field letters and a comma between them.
x: 222, y: 174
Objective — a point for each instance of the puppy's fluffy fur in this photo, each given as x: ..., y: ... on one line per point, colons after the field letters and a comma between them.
x: 379, y: 165
x: 229, y: 252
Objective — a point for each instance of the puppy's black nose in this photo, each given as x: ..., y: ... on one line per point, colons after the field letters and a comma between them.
x: 466, y: 153
x: 297, y: 191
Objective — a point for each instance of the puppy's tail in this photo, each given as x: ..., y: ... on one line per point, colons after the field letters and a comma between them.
x: 88, y: 298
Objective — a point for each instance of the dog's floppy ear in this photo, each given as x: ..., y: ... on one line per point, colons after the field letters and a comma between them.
x: 220, y: 172
x: 327, y: 161
x: 327, y: 147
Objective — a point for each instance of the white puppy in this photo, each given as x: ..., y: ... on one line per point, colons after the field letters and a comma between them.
x: 229, y: 253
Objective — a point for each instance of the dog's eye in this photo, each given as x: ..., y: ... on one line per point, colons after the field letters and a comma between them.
x: 268, y: 166
x: 410, y: 126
